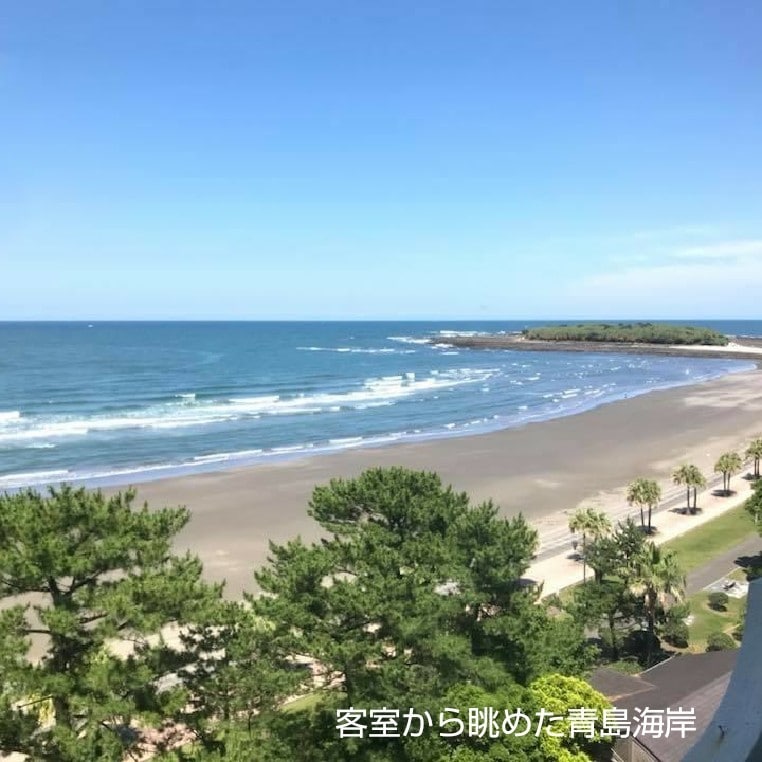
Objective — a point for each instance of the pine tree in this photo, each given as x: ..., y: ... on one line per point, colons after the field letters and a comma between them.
x: 90, y: 586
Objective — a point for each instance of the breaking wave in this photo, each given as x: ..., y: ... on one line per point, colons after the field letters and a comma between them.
x: 360, y: 350
x: 186, y: 410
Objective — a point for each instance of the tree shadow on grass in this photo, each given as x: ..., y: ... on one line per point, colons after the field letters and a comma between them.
x: 681, y: 509
x: 751, y: 565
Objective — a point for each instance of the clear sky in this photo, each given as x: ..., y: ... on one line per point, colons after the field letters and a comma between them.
x: 357, y: 159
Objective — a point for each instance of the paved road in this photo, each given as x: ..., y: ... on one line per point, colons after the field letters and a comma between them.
x: 552, y: 542
x: 721, y: 565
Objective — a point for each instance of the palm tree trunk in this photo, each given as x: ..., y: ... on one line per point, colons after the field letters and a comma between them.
x: 650, y: 508
x: 695, y: 498
x: 642, y: 518
x: 651, y: 614
x: 584, y: 557
x: 614, y: 644
x: 688, y: 499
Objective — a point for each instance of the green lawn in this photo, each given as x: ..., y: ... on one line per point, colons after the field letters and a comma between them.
x: 700, y: 545
x: 309, y: 701
x: 705, y: 621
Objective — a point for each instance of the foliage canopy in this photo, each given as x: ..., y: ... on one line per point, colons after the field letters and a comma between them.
x: 638, y: 333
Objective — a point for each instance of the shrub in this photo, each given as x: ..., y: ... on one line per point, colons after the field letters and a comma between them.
x: 636, y: 644
x: 678, y: 612
x: 676, y: 633
x: 629, y: 665
x: 720, y: 641
x: 718, y: 601
x: 738, y: 631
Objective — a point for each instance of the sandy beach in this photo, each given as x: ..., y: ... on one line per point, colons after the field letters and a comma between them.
x: 542, y: 469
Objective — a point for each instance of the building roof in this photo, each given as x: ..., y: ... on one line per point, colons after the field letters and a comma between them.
x: 687, y: 681
x: 616, y: 685
x: 704, y: 701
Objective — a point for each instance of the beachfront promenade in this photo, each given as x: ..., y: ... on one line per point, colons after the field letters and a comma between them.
x: 557, y: 566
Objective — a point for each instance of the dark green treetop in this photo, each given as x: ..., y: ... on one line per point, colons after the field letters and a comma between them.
x: 89, y: 585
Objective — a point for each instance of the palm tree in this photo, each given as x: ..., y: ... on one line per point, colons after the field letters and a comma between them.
x: 644, y: 493
x: 728, y: 464
x: 591, y: 523
x: 656, y: 578
x: 690, y: 476
x: 755, y: 451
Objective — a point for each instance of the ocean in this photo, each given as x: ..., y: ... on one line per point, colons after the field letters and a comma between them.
x: 117, y: 403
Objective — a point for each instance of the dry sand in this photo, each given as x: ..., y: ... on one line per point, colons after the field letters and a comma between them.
x: 542, y: 469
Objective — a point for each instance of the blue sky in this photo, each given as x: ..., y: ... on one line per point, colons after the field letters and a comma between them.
x: 380, y: 160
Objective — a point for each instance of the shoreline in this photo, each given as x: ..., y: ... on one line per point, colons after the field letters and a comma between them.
x: 248, y: 459
x: 542, y: 470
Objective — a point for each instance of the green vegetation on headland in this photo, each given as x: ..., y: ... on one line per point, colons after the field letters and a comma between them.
x: 635, y: 333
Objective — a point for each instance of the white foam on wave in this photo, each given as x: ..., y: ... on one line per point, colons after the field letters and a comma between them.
x: 374, y: 392
x: 9, y: 415
x: 62, y: 427
x: 34, y: 477
x: 223, y: 457
x: 293, y: 448
x: 360, y: 350
x: 187, y: 411
x: 457, y: 334
x: 345, y: 441
x: 407, y: 340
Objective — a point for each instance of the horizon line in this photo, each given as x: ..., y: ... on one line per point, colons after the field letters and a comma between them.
x: 93, y: 321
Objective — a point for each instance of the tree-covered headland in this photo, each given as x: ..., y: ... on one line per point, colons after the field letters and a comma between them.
x: 635, y: 333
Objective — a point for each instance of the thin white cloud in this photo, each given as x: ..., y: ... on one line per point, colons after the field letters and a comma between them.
x: 722, y: 250
x: 676, y: 231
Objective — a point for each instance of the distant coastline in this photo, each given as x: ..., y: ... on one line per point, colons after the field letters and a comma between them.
x: 172, y: 399
x: 632, y: 332
x: 737, y: 349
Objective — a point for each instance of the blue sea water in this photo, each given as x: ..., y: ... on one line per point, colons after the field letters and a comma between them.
x: 110, y: 403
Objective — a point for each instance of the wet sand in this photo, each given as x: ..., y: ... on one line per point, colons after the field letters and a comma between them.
x: 541, y: 469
